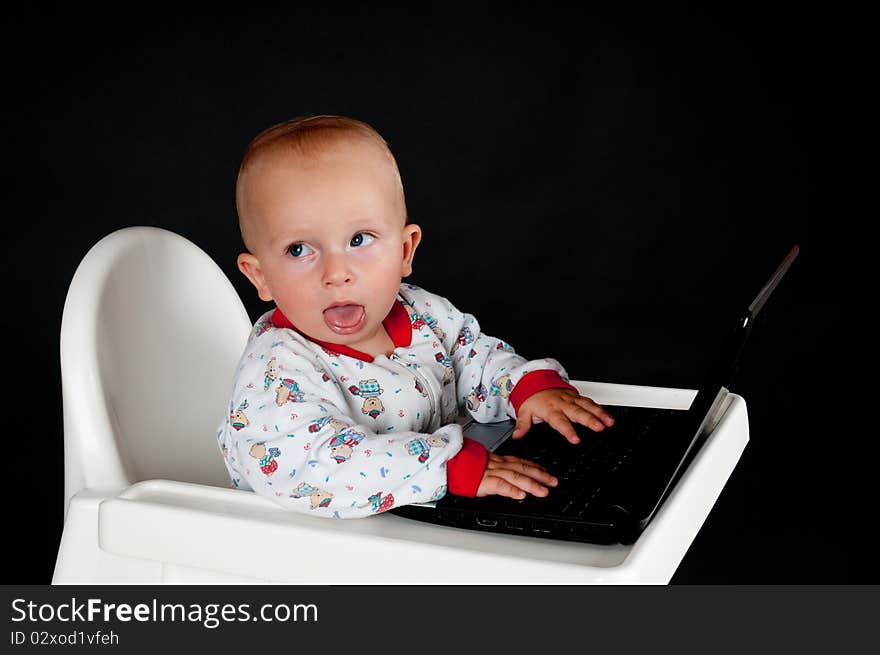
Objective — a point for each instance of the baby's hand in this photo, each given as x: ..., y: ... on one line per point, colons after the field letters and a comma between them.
x: 512, y: 477
x: 559, y: 407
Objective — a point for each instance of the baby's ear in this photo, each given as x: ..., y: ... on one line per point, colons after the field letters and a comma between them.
x: 412, y: 235
x: 250, y: 266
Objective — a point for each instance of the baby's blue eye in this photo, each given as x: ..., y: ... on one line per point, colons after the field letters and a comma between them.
x: 361, y: 239
x: 299, y: 250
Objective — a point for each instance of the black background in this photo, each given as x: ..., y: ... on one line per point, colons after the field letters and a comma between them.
x: 604, y: 187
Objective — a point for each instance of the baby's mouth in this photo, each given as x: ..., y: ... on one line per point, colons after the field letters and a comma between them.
x: 345, y: 319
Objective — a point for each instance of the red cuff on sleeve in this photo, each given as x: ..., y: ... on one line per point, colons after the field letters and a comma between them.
x: 532, y: 383
x: 464, y: 472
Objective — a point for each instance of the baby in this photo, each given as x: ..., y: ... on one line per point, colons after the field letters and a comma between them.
x: 345, y: 399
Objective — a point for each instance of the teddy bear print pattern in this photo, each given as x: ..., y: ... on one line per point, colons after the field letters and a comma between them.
x: 332, y: 435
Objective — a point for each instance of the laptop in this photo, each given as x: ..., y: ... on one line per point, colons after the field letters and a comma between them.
x: 613, y: 482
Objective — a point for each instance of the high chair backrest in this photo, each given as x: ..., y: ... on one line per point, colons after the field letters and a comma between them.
x: 151, y: 333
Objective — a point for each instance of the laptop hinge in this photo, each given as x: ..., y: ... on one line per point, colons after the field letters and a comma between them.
x: 710, y: 421
x: 713, y: 416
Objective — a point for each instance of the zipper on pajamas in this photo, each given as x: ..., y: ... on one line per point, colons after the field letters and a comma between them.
x: 434, y: 408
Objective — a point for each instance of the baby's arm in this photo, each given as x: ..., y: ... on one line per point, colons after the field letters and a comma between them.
x: 293, y: 440
x: 323, y: 463
x: 290, y: 439
x: 492, y: 381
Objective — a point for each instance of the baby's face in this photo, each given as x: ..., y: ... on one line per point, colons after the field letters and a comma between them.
x: 328, y: 240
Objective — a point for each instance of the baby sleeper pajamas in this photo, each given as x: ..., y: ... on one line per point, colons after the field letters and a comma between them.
x: 324, y: 429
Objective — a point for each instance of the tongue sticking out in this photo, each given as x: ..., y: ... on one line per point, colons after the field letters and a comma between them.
x: 344, y: 318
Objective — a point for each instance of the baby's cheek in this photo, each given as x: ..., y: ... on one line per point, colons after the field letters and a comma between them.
x: 376, y: 253
x: 381, y: 266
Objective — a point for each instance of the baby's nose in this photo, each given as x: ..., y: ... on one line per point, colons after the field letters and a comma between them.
x: 337, y: 271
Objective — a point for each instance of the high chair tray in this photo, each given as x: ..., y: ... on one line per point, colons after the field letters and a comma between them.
x: 167, y: 531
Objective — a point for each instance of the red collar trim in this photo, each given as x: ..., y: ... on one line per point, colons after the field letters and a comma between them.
x: 397, y: 324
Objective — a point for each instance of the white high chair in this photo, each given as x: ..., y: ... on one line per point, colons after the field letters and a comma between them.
x: 151, y: 333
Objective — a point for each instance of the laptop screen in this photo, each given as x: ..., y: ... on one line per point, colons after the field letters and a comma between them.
x: 724, y: 367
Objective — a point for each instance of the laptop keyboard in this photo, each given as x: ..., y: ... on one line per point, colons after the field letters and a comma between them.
x: 584, y: 469
x: 615, y: 463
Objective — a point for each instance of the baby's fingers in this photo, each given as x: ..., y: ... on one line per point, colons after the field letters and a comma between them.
x: 596, y: 410
x: 580, y: 415
x: 522, y: 482
x: 492, y: 485
x: 531, y: 469
x: 523, y: 423
x: 559, y: 422
x: 514, y: 477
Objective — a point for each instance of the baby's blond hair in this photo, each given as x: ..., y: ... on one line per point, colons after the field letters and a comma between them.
x: 306, y: 136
